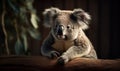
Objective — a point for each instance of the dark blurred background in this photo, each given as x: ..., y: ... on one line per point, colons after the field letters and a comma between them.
x: 104, y: 27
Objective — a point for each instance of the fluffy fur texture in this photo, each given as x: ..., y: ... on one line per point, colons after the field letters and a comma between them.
x: 67, y: 39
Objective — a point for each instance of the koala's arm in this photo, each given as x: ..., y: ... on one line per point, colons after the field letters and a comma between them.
x: 80, y: 48
x: 47, y: 49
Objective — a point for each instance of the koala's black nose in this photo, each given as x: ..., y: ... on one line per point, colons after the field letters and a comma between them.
x: 60, y: 30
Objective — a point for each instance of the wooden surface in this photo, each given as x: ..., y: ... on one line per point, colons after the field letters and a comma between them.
x: 38, y: 63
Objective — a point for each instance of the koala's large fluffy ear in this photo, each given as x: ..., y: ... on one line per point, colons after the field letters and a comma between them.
x: 48, y: 16
x: 82, y: 18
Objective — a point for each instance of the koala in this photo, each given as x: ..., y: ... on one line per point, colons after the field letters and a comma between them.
x: 66, y: 39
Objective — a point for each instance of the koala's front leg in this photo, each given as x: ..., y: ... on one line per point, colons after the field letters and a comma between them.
x: 47, y: 49
x: 73, y: 52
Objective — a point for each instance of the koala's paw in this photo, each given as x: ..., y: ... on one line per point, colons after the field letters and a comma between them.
x: 54, y: 54
x: 62, y: 61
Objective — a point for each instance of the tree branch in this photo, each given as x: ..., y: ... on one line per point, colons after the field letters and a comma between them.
x: 38, y: 63
x: 3, y: 27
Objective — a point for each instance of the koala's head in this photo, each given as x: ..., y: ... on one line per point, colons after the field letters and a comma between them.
x: 66, y: 24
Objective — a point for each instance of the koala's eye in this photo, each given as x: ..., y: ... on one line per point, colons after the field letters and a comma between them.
x: 55, y: 26
x: 68, y: 26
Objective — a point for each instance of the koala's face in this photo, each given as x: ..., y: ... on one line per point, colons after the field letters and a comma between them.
x: 65, y: 25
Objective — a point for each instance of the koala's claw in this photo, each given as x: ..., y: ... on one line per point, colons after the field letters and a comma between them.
x: 60, y: 61
x: 55, y: 54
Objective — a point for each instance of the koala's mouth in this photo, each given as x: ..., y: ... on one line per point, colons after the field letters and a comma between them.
x: 62, y: 37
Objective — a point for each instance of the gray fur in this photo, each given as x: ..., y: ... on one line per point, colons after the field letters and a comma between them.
x: 67, y: 39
